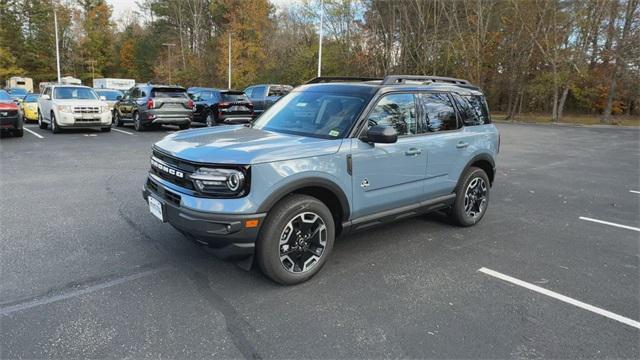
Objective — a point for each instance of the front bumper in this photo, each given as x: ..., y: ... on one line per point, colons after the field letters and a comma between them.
x: 84, y: 120
x: 226, y: 235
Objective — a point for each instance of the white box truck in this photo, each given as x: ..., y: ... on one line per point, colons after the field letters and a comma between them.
x: 115, y: 84
x: 20, y: 82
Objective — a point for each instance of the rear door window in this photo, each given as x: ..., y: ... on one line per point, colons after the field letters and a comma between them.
x: 439, y: 113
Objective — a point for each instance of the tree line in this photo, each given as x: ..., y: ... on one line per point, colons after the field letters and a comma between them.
x: 552, y: 56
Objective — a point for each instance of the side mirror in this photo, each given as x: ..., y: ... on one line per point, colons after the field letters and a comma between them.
x: 382, y: 134
x: 103, y: 98
x: 45, y: 97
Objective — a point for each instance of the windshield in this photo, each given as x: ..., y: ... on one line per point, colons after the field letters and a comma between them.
x: 31, y: 98
x: 76, y: 93
x: 315, y: 114
x: 110, y: 95
x: 4, y: 96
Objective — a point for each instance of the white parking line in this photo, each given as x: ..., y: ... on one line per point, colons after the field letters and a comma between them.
x: 34, y: 133
x: 634, y: 191
x: 610, y: 223
x: 555, y: 295
x: 122, y: 131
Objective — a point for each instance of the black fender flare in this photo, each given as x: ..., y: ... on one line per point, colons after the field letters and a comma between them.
x: 299, y: 184
x: 480, y: 157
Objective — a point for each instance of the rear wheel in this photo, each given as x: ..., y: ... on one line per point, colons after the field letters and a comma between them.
x: 184, y: 126
x: 19, y: 133
x: 137, y: 123
x: 295, y: 240
x: 472, y: 197
x: 210, y: 120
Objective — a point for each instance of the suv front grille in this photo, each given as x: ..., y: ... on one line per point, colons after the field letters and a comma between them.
x: 174, y: 166
x: 9, y: 113
x: 164, y: 193
x: 86, y: 110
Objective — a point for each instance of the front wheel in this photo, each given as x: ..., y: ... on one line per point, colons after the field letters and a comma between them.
x: 41, y: 124
x: 472, y: 197
x: 210, y: 120
x: 54, y: 125
x: 137, y: 123
x: 296, y: 239
x: 117, y: 119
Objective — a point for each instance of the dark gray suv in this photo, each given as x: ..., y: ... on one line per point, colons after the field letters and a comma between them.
x: 153, y: 104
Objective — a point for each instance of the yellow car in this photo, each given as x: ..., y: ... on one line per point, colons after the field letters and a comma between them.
x: 30, y: 107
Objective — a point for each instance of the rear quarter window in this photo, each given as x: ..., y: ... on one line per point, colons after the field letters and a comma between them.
x: 477, y: 111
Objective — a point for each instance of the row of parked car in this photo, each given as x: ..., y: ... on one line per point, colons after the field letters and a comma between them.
x: 144, y: 105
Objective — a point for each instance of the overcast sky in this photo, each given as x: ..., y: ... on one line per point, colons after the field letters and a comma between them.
x: 122, y: 8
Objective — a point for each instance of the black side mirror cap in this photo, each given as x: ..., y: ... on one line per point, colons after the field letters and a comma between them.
x: 381, y: 134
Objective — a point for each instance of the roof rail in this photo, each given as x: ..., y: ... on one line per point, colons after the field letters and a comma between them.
x: 400, y: 79
x: 326, y: 79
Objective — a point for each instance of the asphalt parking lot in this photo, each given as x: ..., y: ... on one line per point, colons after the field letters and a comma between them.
x: 87, y: 271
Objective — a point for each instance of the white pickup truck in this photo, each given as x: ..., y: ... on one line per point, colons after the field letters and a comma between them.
x: 69, y: 106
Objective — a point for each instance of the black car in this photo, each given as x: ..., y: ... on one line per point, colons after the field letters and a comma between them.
x: 217, y: 107
x: 152, y: 104
x: 10, y: 115
x: 264, y: 95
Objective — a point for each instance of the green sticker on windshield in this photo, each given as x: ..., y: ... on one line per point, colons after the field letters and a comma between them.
x: 334, y: 133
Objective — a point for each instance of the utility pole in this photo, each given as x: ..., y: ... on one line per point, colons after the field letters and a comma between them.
x: 169, y: 46
x: 55, y: 24
x: 320, y: 43
x: 229, y: 80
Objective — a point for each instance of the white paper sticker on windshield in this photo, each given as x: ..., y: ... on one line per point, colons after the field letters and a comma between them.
x: 334, y: 133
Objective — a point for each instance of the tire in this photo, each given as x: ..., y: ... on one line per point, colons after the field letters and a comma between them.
x: 117, y: 120
x: 184, y: 126
x: 472, y: 198
x: 106, y: 129
x: 41, y: 124
x: 210, y: 121
x: 54, y: 125
x: 137, y: 124
x: 19, y: 133
x: 283, y: 219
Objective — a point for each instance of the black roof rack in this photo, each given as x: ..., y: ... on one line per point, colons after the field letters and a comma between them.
x: 326, y: 79
x: 400, y: 79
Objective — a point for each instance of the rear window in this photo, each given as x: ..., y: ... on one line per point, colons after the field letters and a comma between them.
x: 169, y: 93
x: 234, y: 97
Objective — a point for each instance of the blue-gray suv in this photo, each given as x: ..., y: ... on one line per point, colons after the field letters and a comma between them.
x: 333, y: 156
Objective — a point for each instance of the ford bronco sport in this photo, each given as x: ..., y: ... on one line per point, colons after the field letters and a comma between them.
x: 333, y: 156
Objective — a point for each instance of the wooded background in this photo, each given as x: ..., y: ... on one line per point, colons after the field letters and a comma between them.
x: 544, y: 56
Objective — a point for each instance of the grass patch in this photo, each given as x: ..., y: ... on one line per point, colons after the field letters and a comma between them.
x: 570, y: 119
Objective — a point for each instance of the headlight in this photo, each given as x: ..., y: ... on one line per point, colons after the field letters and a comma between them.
x: 105, y: 108
x: 219, y: 181
x: 65, y: 108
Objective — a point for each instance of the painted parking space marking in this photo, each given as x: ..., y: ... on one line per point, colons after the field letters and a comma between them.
x: 33, y: 133
x: 72, y: 294
x: 610, y: 223
x: 122, y: 131
x: 563, y: 298
x: 634, y: 191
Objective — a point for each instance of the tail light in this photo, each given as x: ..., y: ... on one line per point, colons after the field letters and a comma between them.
x: 150, y: 104
x: 224, y: 105
x: 190, y: 104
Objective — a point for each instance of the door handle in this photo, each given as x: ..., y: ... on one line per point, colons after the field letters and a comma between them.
x: 462, y: 145
x: 413, y: 152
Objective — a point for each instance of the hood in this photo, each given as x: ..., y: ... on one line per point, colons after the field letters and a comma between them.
x: 8, y: 106
x: 243, y: 145
x: 79, y: 102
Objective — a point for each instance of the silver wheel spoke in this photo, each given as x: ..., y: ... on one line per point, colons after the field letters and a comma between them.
x: 302, y: 242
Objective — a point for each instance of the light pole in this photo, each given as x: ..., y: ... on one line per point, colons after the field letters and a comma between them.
x: 320, y: 43
x: 169, y: 46
x: 229, y: 80
x: 55, y: 24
